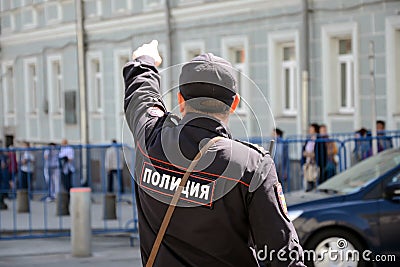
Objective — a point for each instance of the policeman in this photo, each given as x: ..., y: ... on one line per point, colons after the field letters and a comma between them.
x: 231, y: 211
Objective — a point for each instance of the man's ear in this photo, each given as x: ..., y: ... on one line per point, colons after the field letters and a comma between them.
x: 181, y: 102
x: 235, y: 103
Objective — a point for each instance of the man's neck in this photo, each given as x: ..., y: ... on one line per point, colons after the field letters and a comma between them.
x: 222, y: 118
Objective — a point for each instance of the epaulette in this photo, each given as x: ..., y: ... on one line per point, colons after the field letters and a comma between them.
x: 172, y: 119
x: 256, y: 147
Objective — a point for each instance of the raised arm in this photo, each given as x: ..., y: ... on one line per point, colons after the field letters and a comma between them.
x: 143, y: 103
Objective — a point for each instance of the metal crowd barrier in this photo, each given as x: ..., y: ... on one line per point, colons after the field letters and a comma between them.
x: 43, y: 216
x: 351, y: 150
x: 41, y: 219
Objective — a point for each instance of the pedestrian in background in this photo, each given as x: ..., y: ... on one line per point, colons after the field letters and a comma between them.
x: 314, y: 159
x: 331, y: 153
x: 384, y: 142
x: 12, y: 165
x: 52, y: 170
x: 67, y: 167
x: 27, y: 167
x: 114, y: 164
x: 363, y: 146
x: 281, y: 156
x: 4, y: 180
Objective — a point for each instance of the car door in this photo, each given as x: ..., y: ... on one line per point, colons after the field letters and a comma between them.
x: 389, y: 220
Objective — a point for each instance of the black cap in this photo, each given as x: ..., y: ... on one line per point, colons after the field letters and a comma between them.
x: 208, y: 76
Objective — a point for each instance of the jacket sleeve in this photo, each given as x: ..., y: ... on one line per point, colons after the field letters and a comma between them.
x: 273, y: 235
x: 143, y: 104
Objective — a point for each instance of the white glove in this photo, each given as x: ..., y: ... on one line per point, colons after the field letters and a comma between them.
x: 149, y: 49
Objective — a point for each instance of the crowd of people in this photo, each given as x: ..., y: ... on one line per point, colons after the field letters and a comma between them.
x: 17, y: 169
x: 319, y: 158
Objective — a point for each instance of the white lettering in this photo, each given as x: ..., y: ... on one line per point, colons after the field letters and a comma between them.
x: 264, y: 256
x: 281, y: 255
x: 205, y: 190
x: 165, y: 179
x: 194, y: 189
x: 146, y: 175
x: 174, y: 183
x: 185, y: 190
x: 155, y: 178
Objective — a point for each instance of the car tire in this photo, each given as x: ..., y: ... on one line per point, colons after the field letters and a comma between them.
x: 324, y: 239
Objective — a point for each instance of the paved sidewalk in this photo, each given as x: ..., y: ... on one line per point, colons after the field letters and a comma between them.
x: 107, y: 251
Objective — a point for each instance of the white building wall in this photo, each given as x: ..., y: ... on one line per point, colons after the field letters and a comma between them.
x: 209, y: 24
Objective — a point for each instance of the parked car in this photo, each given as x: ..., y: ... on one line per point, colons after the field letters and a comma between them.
x: 358, y: 209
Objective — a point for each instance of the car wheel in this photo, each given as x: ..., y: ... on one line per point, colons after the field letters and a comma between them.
x: 335, y: 247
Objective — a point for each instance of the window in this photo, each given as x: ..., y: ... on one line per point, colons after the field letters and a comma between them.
x: 119, y: 6
x: 234, y: 49
x: 28, y: 15
x: 31, y: 86
x: 93, y: 8
x: 237, y: 58
x: 392, y: 28
x: 7, y: 22
x: 165, y: 71
x: 95, y: 85
x: 6, y: 5
x: 153, y: 4
x: 284, y: 83
x: 193, y: 53
x: 55, y: 85
x: 346, y: 83
x: 53, y: 12
x: 289, y: 81
x: 192, y: 49
x: 31, y: 93
x: 340, y: 75
x: 121, y: 57
x: 8, y: 85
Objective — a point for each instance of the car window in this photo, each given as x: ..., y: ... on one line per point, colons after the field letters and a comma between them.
x: 358, y: 176
x: 377, y: 191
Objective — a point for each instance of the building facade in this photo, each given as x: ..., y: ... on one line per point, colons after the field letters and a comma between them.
x: 267, y: 41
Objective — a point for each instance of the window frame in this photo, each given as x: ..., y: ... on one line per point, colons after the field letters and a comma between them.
x: 348, y: 60
x: 12, y: 22
x: 277, y: 41
x: 292, y: 67
x: 128, y: 7
x: 92, y: 78
x: 99, y: 9
x: 6, y: 100
x: 31, y: 110
x: 2, y: 9
x: 59, y: 12
x: 392, y: 28
x: 189, y: 46
x: 150, y: 7
x: 331, y: 34
x: 120, y: 88
x: 26, y: 6
x: 55, y: 109
x: 235, y: 42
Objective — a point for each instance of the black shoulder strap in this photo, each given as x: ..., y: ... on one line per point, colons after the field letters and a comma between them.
x: 256, y: 147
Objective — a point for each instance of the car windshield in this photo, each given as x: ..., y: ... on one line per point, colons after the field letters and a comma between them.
x: 353, y: 179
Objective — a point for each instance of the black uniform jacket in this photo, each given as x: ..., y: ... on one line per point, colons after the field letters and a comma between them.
x: 232, y: 208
